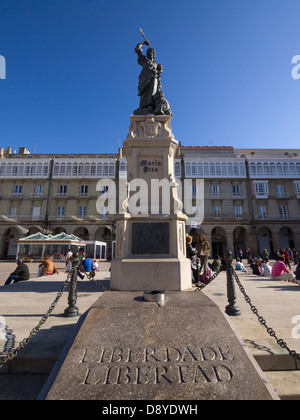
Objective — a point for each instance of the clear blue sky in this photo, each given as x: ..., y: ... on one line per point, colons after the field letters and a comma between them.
x: 72, y: 72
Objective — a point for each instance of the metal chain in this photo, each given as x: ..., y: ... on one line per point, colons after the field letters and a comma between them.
x: 262, y: 321
x: 201, y: 287
x: 13, y: 353
x: 97, y: 283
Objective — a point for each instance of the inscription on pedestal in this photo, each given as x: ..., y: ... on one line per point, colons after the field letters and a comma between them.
x: 150, y: 238
x: 172, y: 365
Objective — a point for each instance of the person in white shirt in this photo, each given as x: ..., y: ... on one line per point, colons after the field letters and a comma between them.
x: 239, y: 266
x: 67, y: 260
x: 266, y: 269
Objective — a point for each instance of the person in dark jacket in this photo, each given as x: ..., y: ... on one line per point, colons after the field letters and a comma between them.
x: 191, y: 254
x: 21, y: 273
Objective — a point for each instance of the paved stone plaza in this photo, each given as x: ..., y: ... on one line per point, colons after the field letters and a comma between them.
x: 24, y: 304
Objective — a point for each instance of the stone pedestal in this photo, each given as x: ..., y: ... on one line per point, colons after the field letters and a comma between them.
x: 130, y: 349
x: 151, y: 249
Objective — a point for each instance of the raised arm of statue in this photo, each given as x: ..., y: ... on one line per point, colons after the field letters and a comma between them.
x: 141, y: 57
x: 138, y: 48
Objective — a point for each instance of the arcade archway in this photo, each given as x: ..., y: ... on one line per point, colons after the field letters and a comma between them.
x: 265, y: 240
x: 240, y: 240
x: 286, y: 238
x: 218, y: 242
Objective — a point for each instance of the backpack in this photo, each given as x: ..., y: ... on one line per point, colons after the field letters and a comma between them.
x: 203, y: 278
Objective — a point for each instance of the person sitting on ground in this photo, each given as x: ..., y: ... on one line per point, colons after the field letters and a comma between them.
x: 281, y: 272
x: 21, y: 273
x: 267, y: 269
x: 239, y: 266
x: 216, y: 264
x: 297, y: 273
x: 48, y: 267
x: 251, y: 261
x: 256, y: 268
x: 95, y: 265
x: 223, y: 263
x: 265, y: 255
x: 86, y: 265
x: 276, y: 254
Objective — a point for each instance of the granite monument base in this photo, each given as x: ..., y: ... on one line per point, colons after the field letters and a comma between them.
x: 181, y: 349
x: 150, y: 254
x: 133, y: 274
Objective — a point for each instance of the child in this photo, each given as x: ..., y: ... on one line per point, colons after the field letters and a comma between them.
x: 95, y: 265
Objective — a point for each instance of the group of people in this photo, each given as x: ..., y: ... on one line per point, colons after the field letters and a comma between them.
x: 48, y: 267
x: 86, y: 265
x: 281, y: 270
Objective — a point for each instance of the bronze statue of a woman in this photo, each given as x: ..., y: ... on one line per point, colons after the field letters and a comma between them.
x: 152, y: 99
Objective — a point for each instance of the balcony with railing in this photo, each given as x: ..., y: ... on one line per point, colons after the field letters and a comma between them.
x: 16, y: 195
x: 216, y: 195
x: 37, y: 195
x: 82, y: 195
x: 282, y: 195
x: 61, y: 195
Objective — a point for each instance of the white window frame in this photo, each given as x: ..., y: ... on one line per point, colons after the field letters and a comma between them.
x: 261, y: 189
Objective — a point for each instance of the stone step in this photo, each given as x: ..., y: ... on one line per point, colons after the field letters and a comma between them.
x: 276, y: 362
x: 21, y: 387
x: 37, y: 358
x: 286, y: 384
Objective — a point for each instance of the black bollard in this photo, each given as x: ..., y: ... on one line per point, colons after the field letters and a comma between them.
x: 72, y: 310
x: 231, y: 309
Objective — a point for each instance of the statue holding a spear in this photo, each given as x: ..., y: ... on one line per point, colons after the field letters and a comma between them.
x: 152, y: 99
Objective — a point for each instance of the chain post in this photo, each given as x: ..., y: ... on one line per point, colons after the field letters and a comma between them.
x: 231, y: 309
x: 72, y: 309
